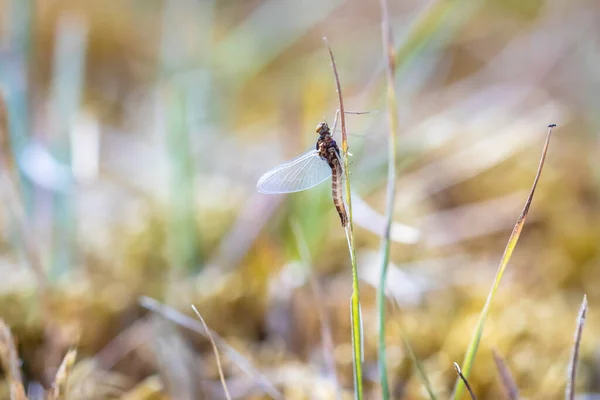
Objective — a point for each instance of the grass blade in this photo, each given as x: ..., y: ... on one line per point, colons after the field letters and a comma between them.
x: 510, y: 246
x: 570, y: 390
x: 182, y: 232
x: 242, y: 362
x: 508, y: 382
x: 419, y: 367
x: 216, y: 351
x: 413, y: 357
x: 392, y: 105
x: 356, y: 319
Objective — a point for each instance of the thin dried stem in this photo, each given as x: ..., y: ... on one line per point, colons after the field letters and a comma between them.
x: 216, y: 351
x: 570, y: 390
x: 355, y: 312
x: 190, y: 323
x: 462, y: 377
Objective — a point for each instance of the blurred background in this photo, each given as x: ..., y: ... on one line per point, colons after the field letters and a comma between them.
x: 133, y: 133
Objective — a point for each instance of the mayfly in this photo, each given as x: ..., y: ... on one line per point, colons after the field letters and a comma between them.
x: 308, y: 170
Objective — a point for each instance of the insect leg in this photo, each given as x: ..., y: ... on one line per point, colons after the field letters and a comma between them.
x: 335, y: 120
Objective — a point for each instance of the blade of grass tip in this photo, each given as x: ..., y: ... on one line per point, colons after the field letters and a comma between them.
x: 392, y: 105
x: 508, y: 382
x: 216, y: 351
x: 510, y: 246
x: 355, y: 300
x: 570, y: 390
x: 326, y: 336
x: 462, y: 378
x: 191, y: 324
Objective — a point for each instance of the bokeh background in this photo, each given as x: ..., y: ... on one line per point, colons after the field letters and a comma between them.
x: 134, y: 131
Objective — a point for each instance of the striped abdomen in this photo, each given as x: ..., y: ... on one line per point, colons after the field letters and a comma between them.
x: 337, y: 190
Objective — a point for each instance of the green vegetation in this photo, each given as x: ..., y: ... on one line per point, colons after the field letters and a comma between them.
x: 132, y: 135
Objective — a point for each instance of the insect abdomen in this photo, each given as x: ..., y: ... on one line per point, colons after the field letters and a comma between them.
x: 336, y: 191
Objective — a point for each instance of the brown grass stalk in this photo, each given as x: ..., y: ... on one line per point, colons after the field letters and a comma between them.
x: 570, y: 390
x: 216, y: 351
x: 355, y: 312
x: 465, y: 381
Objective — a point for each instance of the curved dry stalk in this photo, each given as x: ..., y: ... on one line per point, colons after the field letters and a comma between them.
x: 238, y: 359
x: 462, y: 378
x: 355, y: 313
x: 570, y: 390
x: 216, y: 351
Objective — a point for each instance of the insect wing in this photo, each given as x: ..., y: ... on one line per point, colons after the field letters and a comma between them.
x: 301, y: 173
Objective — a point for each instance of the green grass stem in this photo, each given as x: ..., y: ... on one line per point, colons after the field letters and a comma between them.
x: 418, y: 366
x: 355, y: 313
x: 508, y: 251
x: 182, y: 231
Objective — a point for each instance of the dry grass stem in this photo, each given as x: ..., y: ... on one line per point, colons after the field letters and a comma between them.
x: 462, y: 377
x: 355, y: 312
x: 216, y: 351
x: 570, y: 390
x: 242, y: 362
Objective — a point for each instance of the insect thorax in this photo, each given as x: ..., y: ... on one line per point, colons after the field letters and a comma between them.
x: 327, y: 148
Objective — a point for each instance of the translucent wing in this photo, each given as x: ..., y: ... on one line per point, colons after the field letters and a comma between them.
x: 301, y: 173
